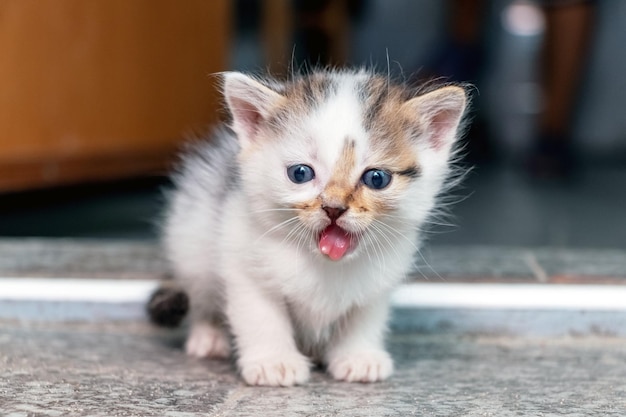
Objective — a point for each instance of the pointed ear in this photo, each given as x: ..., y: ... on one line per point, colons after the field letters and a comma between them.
x: 438, y: 114
x: 249, y: 102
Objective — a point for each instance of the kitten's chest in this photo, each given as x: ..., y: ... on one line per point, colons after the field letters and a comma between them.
x: 320, y: 295
x: 315, y: 328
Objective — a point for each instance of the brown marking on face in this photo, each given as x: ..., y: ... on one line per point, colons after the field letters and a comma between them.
x: 393, y: 135
x: 359, y: 200
x: 312, y: 89
x: 302, y: 95
x: 410, y: 172
x: 342, y: 191
x: 338, y: 189
x: 392, y: 131
x: 374, y: 93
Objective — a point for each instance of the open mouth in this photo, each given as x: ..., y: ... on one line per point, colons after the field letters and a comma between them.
x: 335, y: 242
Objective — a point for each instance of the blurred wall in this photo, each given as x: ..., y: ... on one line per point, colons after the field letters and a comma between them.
x: 100, y: 89
x: 601, y: 123
x: 413, y: 33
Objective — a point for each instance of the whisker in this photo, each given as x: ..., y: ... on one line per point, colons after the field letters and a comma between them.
x: 384, y: 234
x: 362, y: 231
x: 304, y: 235
x: 294, y: 233
x: 377, y: 246
x: 417, y: 249
x: 272, y: 210
x: 277, y: 227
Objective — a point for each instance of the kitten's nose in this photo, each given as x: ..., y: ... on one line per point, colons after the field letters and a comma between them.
x: 334, y: 212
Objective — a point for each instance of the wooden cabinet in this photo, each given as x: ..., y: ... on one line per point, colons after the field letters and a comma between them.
x: 101, y: 89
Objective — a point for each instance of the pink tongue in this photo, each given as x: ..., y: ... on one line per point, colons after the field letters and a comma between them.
x: 334, y: 242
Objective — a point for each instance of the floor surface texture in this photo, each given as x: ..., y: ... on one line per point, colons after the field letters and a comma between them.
x: 134, y: 369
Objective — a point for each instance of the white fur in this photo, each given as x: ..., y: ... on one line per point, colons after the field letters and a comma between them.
x: 286, y: 303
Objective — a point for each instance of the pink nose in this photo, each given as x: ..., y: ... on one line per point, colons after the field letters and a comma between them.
x: 334, y: 212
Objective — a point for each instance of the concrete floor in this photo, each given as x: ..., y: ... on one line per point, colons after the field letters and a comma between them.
x: 134, y: 369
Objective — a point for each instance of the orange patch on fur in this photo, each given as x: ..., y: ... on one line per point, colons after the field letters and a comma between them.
x: 338, y: 190
x: 342, y: 191
x: 301, y: 95
x: 392, y: 131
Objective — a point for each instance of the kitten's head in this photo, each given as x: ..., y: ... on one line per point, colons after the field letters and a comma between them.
x: 342, y: 161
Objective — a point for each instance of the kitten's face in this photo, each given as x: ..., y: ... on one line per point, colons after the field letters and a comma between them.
x: 339, y: 163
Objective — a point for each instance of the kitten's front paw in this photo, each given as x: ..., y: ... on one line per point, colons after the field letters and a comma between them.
x: 207, y: 341
x: 361, y: 366
x: 281, y: 370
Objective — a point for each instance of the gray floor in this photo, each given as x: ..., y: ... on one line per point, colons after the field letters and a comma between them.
x: 133, y: 369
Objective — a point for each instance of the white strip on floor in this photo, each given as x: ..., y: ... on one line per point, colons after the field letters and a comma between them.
x: 76, y: 289
x: 512, y: 296
x: 416, y: 295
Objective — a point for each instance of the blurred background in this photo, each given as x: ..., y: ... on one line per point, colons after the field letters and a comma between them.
x: 96, y: 98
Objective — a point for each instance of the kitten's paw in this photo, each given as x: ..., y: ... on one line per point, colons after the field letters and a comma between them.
x: 283, y: 370
x: 361, y: 366
x: 207, y: 341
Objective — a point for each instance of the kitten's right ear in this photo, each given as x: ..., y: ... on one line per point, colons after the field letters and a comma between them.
x: 439, y: 112
x: 250, y: 103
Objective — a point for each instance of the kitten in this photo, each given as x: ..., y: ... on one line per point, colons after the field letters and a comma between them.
x: 289, y: 229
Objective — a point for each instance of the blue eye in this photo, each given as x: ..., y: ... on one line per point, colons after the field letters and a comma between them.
x: 376, y: 179
x: 300, y: 173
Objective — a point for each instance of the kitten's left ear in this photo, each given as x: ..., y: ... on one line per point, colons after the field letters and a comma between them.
x: 438, y: 113
x: 250, y: 104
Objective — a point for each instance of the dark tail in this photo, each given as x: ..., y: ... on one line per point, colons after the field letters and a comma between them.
x: 168, y: 305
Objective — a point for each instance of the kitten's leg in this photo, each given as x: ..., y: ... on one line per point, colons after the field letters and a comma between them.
x: 207, y: 339
x: 356, y: 352
x: 264, y: 335
x: 207, y: 336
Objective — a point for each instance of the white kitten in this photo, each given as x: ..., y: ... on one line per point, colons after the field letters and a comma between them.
x: 290, y: 230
